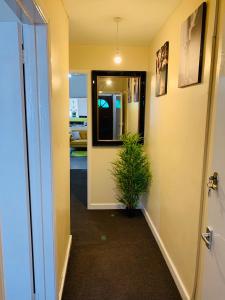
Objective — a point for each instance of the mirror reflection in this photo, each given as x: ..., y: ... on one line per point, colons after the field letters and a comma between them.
x: 118, y: 101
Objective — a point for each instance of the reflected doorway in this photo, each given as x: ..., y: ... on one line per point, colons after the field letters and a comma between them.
x: 78, y: 113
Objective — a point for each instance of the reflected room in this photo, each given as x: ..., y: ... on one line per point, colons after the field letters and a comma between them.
x: 118, y: 106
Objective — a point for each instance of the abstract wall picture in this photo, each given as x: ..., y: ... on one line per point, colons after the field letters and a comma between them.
x: 133, y: 89
x: 136, y: 82
x: 191, y: 48
x: 162, y: 56
x: 129, y: 90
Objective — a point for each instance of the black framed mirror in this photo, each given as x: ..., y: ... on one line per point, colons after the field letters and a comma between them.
x: 118, y: 105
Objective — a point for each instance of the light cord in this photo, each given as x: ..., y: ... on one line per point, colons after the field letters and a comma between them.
x: 117, y: 36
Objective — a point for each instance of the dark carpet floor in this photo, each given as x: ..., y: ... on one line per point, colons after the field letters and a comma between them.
x: 113, y: 257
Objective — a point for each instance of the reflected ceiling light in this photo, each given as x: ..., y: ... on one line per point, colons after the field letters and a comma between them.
x: 109, y: 82
x: 69, y: 75
x: 117, y: 58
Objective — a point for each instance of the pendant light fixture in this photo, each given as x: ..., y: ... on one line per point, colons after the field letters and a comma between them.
x: 117, y: 57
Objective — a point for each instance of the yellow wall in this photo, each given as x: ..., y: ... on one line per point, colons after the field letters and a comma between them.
x: 59, y: 55
x: 84, y: 59
x: 88, y: 58
x: 175, y: 142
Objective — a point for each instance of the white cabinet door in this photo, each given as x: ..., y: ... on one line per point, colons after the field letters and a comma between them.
x: 14, y: 184
x: 214, y: 261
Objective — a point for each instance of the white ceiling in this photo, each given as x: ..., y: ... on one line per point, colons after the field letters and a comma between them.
x: 91, y: 21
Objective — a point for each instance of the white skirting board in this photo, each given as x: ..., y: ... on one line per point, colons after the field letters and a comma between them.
x: 105, y: 206
x: 65, y: 267
x: 108, y: 206
x: 183, y: 292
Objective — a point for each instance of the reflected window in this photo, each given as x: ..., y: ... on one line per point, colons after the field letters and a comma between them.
x: 102, y: 103
x: 118, y: 104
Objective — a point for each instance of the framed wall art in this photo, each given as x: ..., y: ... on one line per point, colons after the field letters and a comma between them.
x: 191, y: 48
x: 162, y: 56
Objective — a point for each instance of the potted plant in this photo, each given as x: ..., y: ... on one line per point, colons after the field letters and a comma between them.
x: 131, y: 172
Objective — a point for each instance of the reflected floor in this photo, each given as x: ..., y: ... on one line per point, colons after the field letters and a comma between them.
x: 78, y: 163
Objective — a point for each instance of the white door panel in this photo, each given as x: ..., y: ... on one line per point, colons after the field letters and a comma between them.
x: 14, y: 195
x: 214, y: 263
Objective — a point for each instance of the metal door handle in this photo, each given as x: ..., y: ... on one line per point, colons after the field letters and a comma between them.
x: 213, y: 182
x: 207, y: 237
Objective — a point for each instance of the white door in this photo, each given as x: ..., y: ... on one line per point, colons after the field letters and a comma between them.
x: 14, y: 184
x: 214, y: 263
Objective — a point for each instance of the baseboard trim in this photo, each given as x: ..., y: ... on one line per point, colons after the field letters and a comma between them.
x: 108, y: 206
x: 65, y: 267
x: 176, y: 277
x: 105, y: 206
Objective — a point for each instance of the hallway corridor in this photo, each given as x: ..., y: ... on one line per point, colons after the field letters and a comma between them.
x: 113, y: 257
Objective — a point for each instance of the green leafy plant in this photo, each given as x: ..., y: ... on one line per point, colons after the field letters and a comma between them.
x: 131, y: 171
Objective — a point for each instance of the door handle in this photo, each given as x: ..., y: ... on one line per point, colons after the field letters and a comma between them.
x: 213, y: 182
x: 207, y: 237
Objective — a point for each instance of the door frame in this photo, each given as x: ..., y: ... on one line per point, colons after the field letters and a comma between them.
x: 38, y: 95
x: 37, y: 79
x: 89, y: 122
x: 1, y: 269
x: 212, y: 102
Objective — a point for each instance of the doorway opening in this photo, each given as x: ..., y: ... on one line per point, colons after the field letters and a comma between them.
x: 78, y: 113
